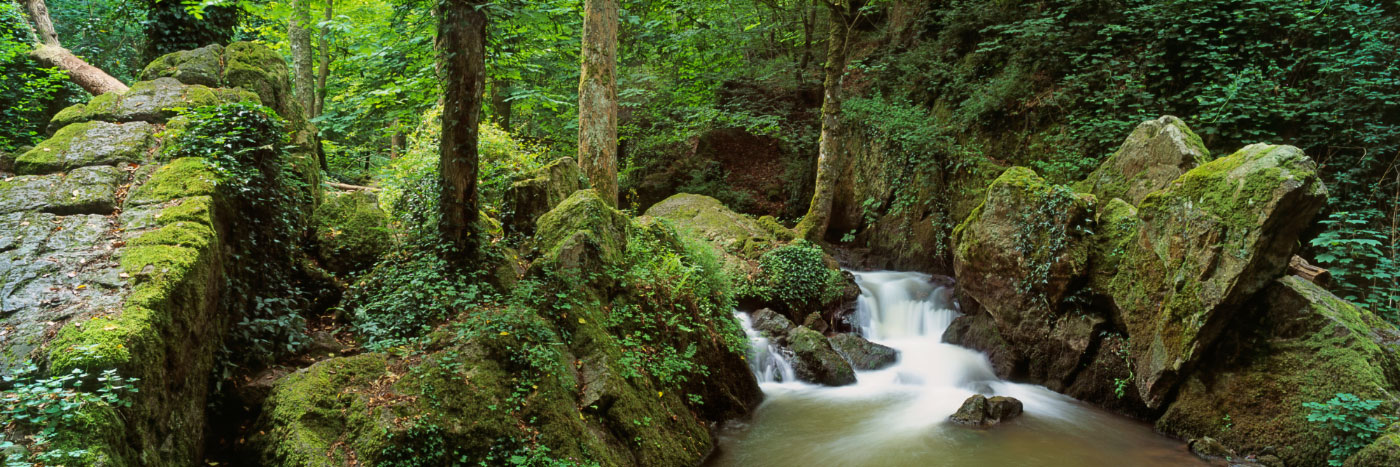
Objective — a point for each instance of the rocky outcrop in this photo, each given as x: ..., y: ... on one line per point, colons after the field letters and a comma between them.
x: 581, y: 367
x: 114, y: 259
x: 351, y: 232
x: 539, y: 192
x: 1296, y: 343
x: 1155, y: 154
x: 983, y: 411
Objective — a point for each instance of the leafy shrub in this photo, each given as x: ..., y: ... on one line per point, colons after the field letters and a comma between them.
x: 406, y: 294
x: 1363, y: 260
x: 351, y: 231
x: 1352, y: 422
x: 27, y: 91
x: 46, y: 409
x: 796, y: 277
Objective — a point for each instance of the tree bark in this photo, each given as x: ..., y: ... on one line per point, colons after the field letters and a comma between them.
x: 325, y: 67
x: 597, y: 98
x: 299, y: 38
x: 813, y: 225
x: 462, y: 67
x: 51, y: 53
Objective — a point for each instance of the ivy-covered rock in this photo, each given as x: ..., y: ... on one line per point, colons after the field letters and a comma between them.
x: 351, y: 232
x: 1021, y: 256
x: 815, y: 361
x: 1296, y: 344
x: 528, y: 199
x: 1155, y: 154
x: 1209, y: 241
x: 85, y: 144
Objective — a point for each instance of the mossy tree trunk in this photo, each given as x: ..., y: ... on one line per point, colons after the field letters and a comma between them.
x: 50, y: 52
x: 814, y: 223
x: 462, y: 67
x: 324, y: 72
x: 299, y: 37
x: 597, y: 98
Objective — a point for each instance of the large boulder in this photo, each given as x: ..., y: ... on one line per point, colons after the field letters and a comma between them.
x: 86, y: 144
x: 1297, y: 343
x: 710, y: 219
x: 815, y: 361
x: 351, y: 232
x: 542, y: 190
x: 580, y: 236
x: 203, y: 66
x: 1155, y: 154
x: 1021, y: 256
x: 1206, y: 243
x: 155, y: 101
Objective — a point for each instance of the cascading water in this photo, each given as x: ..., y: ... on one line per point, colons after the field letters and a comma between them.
x: 898, y: 416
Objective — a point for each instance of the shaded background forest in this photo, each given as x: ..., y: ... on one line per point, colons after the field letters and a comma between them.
x: 722, y: 98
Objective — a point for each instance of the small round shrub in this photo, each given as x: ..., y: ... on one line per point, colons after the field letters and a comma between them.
x: 352, y: 232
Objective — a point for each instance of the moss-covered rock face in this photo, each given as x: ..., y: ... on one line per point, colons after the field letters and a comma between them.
x: 1208, y: 242
x: 258, y: 69
x: 86, y: 190
x: 1383, y: 451
x: 736, y: 233
x: 573, y: 371
x: 202, y: 66
x: 1155, y: 154
x: 1021, y: 256
x: 541, y: 191
x: 1298, y: 343
x: 351, y: 231
x: 153, y: 101
x: 815, y: 361
x: 85, y: 144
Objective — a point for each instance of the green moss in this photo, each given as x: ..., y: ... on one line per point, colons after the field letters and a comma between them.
x: 157, y: 270
x: 1383, y: 451
x: 191, y: 209
x: 183, y: 177
x: 103, y: 341
x: 309, y: 409
x: 260, y: 70
x: 195, y: 235
x: 352, y: 232
x: 583, y: 217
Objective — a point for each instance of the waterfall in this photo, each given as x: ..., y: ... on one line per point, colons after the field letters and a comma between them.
x: 768, y: 362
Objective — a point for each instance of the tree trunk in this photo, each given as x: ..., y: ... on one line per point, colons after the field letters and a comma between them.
x: 51, y: 53
x: 813, y: 225
x: 462, y: 67
x: 325, y: 71
x: 597, y: 98
x: 299, y: 38
x: 500, y: 103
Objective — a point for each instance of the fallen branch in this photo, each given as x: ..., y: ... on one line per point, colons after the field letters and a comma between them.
x: 50, y: 53
x: 349, y: 187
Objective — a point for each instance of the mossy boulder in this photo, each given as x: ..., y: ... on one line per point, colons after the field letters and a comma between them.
x: 540, y: 191
x: 85, y: 144
x: 1155, y: 154
x: 155, y: 101
x: 202, y: 66
x: 863, y: 354
x: 815, y: 361
x: 351, y: 232
x: 581, y: 235
x: 736, y: 233
x: 1206, y: 243
x: 261, y: 71
x: 1021, y: 256
x: 1297, y: 343
x: 183, y: 177
x: 1385, y: 450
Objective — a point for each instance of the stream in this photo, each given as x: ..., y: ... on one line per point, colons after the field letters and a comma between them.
x: 898, y: 416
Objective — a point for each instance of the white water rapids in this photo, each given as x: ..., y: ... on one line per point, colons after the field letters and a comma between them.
x: 898, y: 416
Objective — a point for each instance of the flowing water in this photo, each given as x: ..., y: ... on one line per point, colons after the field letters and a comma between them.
x: 898, y: 416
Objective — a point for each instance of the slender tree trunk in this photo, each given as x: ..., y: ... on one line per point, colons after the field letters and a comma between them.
x: 462, y: 67
x: 813, y: 225
x: 299, y: 37
x: 51, y: 53
x: 500, y: 103
x: 324, y: 72
x: 597, y: 98
x: 809, y: 24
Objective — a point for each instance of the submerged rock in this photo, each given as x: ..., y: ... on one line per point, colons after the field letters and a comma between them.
x: 863, y: 354
x: 815, y: 361
x: 983, y: 411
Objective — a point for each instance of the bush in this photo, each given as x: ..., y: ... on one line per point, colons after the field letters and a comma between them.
x: 406, y: 294
x: 1351, y: 422
x: 351, y: 231
x: 27, y: 91
x: 796, y: 277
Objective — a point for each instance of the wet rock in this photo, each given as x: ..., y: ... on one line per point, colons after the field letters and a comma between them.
x: 88, y: 143
x: 983, y: 411
x: 541, y: 191
x: 772, y: 324
x: 1206, y: 243
x: 87, y: 190
x: 1296, y: 343
x: 1208, y: 448
x: 979, y: 332
x: 1155, y: 154
x: 815, y: 322
x: 203, y: 66
x: 815, y: 361
x: 351, y: 232
x: 863, y: 354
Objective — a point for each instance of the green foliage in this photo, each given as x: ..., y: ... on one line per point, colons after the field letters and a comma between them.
x: 27, y: 91
x: 796, y: 277
x: 172, y: 26
x: 1364, y: 261
x: 243, y: 143
x: 1044, y: 233
x: 1353, y: 423
x: 406, y: 294
x: 108, y: 34
x: 45, y: 411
